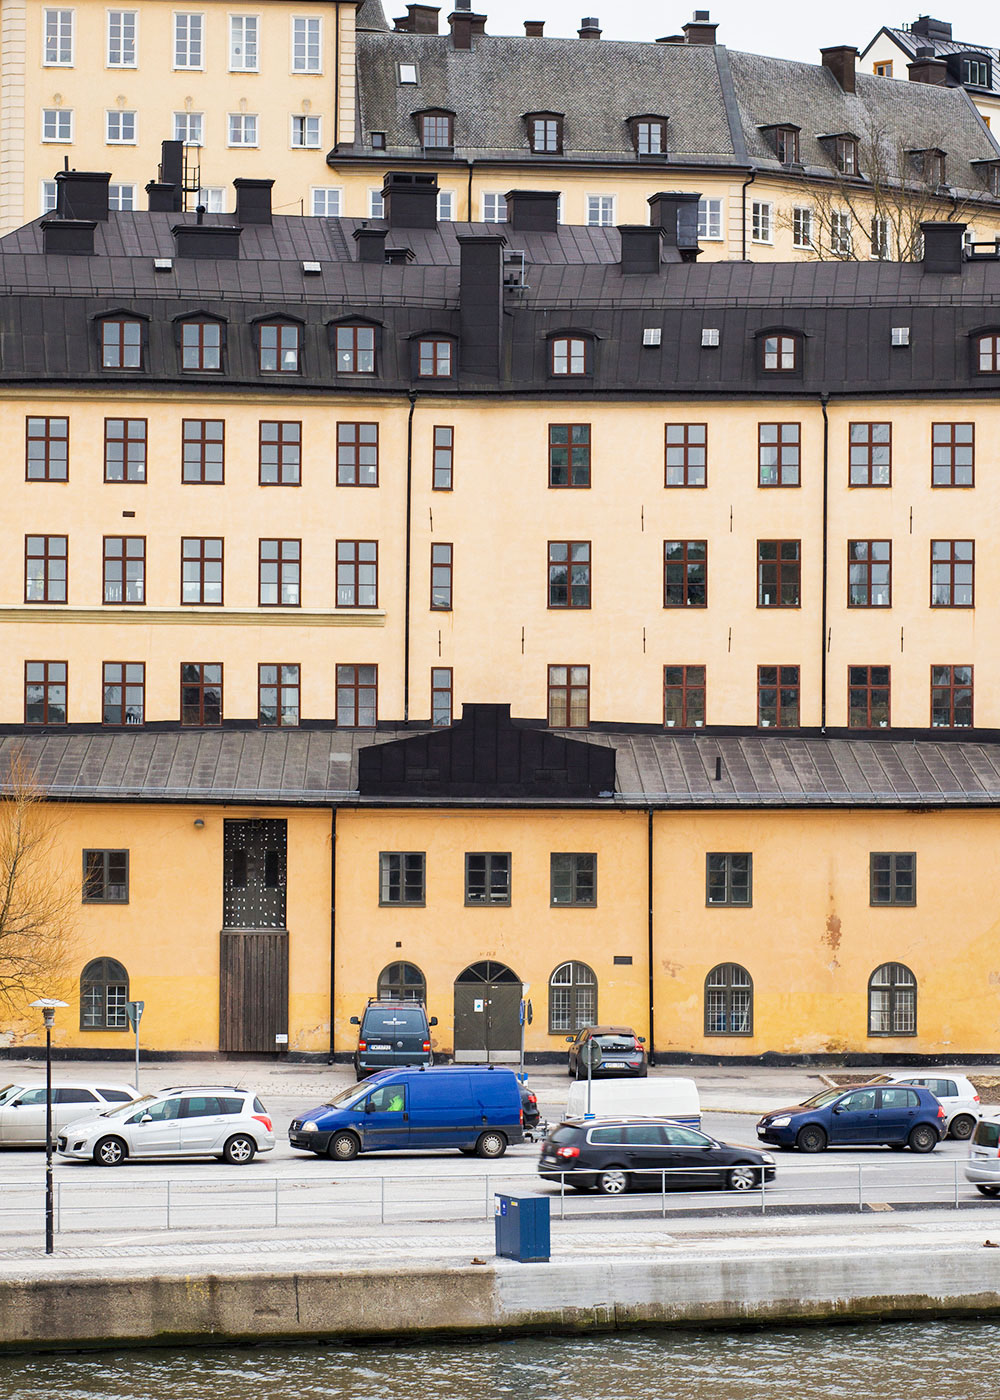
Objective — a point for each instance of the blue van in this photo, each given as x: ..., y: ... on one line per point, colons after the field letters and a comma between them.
x: 476, y: 1108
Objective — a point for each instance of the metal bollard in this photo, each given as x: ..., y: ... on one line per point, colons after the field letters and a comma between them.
x: 861, y: 1200
x: 663, y: 1195
x: 562, y: 1195
x: 168, y: 1203
x: 489, y: 1208
x: 58, y: 1207
x: 382, y: 1201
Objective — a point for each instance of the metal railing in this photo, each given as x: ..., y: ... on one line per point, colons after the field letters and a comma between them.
x: 83, y: 1204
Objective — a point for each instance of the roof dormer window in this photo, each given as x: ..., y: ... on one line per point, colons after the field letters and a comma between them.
x: 649, y: 135
x: 121, y: 343
x: 570, y: 355
x: 409, y: 74
x: 279, y: 347
x: 784, y: 141
x: 545, y: 132
x: 846, y: 154
x: 930, y: 163
x: 201, y: 340
x: 780, y: 352
x: 437, y: 129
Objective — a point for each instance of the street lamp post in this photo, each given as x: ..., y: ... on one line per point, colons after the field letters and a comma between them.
x: 47, y: 1006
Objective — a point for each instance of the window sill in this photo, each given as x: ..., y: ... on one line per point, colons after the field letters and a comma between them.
x: 187, y: 614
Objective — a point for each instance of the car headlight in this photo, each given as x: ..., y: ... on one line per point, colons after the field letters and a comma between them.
x: 308, y: 1126
x: 781, y: 1122
x: 767, y: 1158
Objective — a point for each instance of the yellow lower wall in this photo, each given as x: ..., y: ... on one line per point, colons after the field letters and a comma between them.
x: 810, y: 941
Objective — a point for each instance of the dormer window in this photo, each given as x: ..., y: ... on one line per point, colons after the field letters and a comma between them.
x: 784, y: 140
x: 649, y: 135
x: 435, y: 358
x: 355, y: 349
x: 975, y: 70
x: 779, y: 353
x: 545, y: 132
x: 846, y: 154
x: 121, y: 343
x: 570, y: 355
x: 201, y: 345
x: 930, y: 163
x: 988, y: 353
x: 436, y: 130
x: 278, y: 347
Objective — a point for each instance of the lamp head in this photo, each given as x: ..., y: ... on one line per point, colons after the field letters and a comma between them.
x: 47, y: 1006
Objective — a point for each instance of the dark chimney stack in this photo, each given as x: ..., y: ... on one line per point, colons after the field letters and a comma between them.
x: 410, y: 200
x: 534, y: 28
x: 640, y: 248
x: 371, y: 244
x: 700, y: 29
x: 481, y: 306
x: 68, y: 236
x: 253, y: 201
x: 201, y: 240
x: 465, y: 26
x: 841, y: 62
x: 419, y: 19
x: 676, y: 213
x: 533, y: 211
x: 590, y: 28
x: 926, y: 68
x: 82, y: 194
x: 162, y: 198
x: 943, y: 247
x: 931, y: 28
x: 171, y: 170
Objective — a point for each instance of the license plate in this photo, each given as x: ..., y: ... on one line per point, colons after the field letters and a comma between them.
x: 380, y: 1047
x: 761, y: 1132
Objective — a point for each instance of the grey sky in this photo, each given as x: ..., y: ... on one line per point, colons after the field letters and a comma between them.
x: 787, y: 31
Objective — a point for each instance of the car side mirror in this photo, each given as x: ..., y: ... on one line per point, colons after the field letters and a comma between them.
x: 839, y: 1108
x: 433, y: 1021
x: 16, y: 1103
x: 369, y: 1106
x: 146, y: 1118
x: 355, y: 1021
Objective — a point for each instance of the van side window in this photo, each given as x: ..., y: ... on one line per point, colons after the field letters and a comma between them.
x: 391, y: 1098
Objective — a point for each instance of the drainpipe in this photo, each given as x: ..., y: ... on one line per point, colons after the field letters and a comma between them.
x: 406, y: 598
x: 823, y: 401
x: 333, y: 928
x: 336, y: 69
x: 651, y: 1048
x: 468, y: 198
x: 743, y: 196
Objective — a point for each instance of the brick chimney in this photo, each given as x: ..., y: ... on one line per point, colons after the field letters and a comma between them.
x: 465, y: 26
x: 930, y: 28
x: 534, y: 28
x: 590, y: 28
x: 927, y: 69
x: 419, y: 19
x: 841, y: 62
x: 533, y: 211
x: 480, y: 297
x: 700, y: 29
x: 371, y: 244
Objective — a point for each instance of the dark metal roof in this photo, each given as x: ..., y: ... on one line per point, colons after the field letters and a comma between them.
x: 910, y: 42
x: 320, y: 768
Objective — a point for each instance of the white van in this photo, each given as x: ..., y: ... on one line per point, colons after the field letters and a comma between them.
x: 638, y: 1098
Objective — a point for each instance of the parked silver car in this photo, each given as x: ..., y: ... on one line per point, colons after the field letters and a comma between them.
x: 983, y: 1165
x: 206, y: 1121
x: 22, y: 1107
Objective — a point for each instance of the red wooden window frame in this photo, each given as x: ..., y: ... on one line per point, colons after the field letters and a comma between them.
x: 198, y: 436
x: 783, y: 441
x: 355, y: 349
x: 53, y: 435
x: 868, y: 697
x: 575, y: 356
x: 573, y: 560
x: 196, y: 684
x: 115, y: 347
x: 119, y: 552
x: 434, y: 359
x: 948, y: 565
x: 782, y: 681
x: 869, y: 451
x: 437, y: 131
x: 545, y: 133
x: 685, y: 454
x: 279, y: 567
x: 442, y: 684
x: 54, y: 677
x: 49, y: 551
x: 779, y: 353
x: 355, y: 558
x: 443, y: 466
x: 988, y: 354
x: 279, y: 452
x: 286, y: 685
x: 573, y: 439
x: 567, y: 685
x: 779, y: 570
x: 951, y: 444
x: 130, y: 436
x: 442, y: 576
x: 357, y: 442
x: 201, y: 353
x: 866, y: 561
x: 685, y: 573
x: 125, y: 676
x: 684, y: 696
x: 945, y: 688
x: 357, y: 695
x: 287, y: 336
x: 206, y: 555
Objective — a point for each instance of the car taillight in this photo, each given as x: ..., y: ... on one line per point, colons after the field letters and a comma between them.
x: 533, y: 1098
x: 427, y: 1045
x: 940, y: 1111
x: 975, y: 1098
x: 522, y: 1117
x: 567, y: 1152
x: 362, y: 1045
x: 259, y: 1118
x: 638, y: 1044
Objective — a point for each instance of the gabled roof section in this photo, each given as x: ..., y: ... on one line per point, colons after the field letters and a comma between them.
x: 487, y: 755
x: 909, y: 42
x: 371, y: 16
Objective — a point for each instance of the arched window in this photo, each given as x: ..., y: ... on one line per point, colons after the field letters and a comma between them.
x: 103, y: 994
x: 728, y: 1001
x: 402, y: 981
x: 572, y: 998
x: 892, y: 1001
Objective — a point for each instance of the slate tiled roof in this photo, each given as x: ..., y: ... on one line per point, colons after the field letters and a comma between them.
x: 371, y: 16
x: 715, y: 101
x: 319, y: 768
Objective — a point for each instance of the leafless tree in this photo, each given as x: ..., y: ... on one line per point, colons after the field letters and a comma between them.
x: 37, y: 903
x: 878, y: 212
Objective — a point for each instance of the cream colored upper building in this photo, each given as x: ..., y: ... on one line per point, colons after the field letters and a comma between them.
x: 926, y: 52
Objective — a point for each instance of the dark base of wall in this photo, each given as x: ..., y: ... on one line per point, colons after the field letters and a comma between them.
x: 149, y: 1057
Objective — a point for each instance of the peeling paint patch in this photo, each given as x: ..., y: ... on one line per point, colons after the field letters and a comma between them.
x: 671, y: 968
x: 833, y: 932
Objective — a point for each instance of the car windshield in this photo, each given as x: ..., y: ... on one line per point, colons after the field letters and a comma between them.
x: 615, y: 1042
x: 821, y: 1100
x: 124, y: 1108
x: 347, y: 1096
x: 8, y: 1091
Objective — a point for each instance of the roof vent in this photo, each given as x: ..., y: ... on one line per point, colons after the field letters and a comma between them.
x: 206, y: 240
x: 533, y: 211
x: 652, y: 335
x: 312, y: 269
x: 371, y: 244
x: 709, y: 337
x: 253, y: 201
x: 163, y: 264
x: 640, y: 248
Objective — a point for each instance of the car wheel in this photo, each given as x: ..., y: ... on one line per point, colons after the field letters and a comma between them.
x: 612, y: 1182
x: 644, y: 1072
x: 491, y: 1145
x: 344, y: 1147
x: 742, y: 1177
x: 110, y: 1152
x: 987, y: 1190
x: 923, y: 1138
x: 962, y: 1127
x: 811, y: 1139
x: 239, y: 1150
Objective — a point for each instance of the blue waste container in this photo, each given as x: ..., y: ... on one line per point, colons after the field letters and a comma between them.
x: 522, y: 1228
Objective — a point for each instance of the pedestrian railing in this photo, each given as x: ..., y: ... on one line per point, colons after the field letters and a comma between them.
x: 354, y: 1194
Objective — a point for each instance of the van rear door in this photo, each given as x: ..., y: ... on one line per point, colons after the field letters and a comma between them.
x: 394, y: 1035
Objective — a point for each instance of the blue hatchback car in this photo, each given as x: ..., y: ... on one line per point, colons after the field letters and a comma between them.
x: 865, y: 1115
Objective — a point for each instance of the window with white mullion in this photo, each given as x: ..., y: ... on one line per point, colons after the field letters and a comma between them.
x: 243, y: 43
x: 122, y: 36
x: 761, y: 221
x: 710, y: 218
x: 802, y: 227
x: 57, y: 51
x: 189, y: 40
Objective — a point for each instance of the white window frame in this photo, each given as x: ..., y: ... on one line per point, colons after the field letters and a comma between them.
x: 499, y: 200
x: 446, y: 206
x: 302, y: 122
x: 325, y: 192
x: 214, y: 198
x: 187, y: 118
x: 116, y: 190
x: 376, y: 204
x: 877, y: 254
x: 306, y: 21
x: 802, y: 226
x: 63, y: 37
x: 59, y: 113
x: 120, y: 140
x: 709, y: 219
x: 188, y: 43
x: 122, y: 62
x: 237, y: 125
x: 238, y: 38
x: 599, y: 204
x: 841, y: 233
x: 48, y: 194
x: 761, y: 221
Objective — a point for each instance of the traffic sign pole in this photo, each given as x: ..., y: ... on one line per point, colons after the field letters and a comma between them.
x: 134, y: 1010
